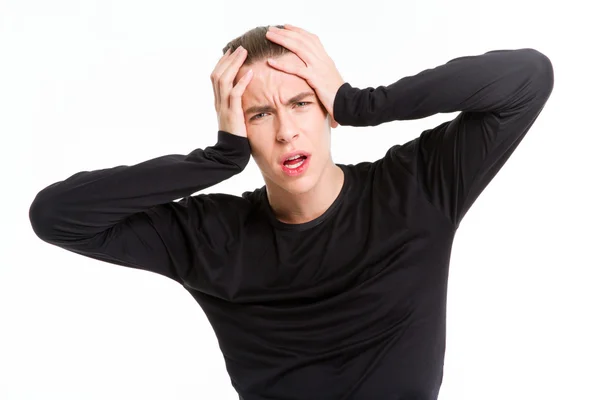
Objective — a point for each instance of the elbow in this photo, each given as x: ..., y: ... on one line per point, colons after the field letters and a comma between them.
x: 40, y: 217
x: 59, y: 221
x: 37, y: 213
x: 542, y: 73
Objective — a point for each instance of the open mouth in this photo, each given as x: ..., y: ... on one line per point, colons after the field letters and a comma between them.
x: 295, y: 163
x: 295, y: 166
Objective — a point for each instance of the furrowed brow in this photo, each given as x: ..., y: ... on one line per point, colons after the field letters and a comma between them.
x: 267, y: 108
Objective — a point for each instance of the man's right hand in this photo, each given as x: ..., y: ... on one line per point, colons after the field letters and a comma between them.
x: 228, y: 99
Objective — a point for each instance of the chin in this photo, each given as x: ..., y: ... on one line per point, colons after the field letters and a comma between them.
x: 298, y: 186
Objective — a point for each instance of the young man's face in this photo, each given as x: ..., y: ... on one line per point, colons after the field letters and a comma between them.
x: 301, y: 125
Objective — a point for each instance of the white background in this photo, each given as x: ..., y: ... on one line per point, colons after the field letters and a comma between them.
x: 94, y: 84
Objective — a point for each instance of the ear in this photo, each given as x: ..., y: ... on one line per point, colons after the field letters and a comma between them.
x: 332, y: 122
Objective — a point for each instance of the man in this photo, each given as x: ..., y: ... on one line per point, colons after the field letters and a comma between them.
x: 329, y: 282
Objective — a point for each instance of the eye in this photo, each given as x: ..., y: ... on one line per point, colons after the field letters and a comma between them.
x: 257, y: 116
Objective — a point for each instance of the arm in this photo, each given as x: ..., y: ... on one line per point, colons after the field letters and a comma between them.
x: 496, y: 81
x: 125, y: 215
x: 500, y: 94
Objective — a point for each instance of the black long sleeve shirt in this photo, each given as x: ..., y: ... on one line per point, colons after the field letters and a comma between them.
x: 351, y: 305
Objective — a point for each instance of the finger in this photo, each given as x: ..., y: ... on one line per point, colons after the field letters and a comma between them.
x: 293, y: 41
x: 299, y: 71
x: 222, y: 59
x: 232, y: 66
x: 214, y: 77
x: 299, y: 30
x: 296, y: 35
x: 225, y: 81
x: 307, y: 36
x: 313, y: 38
x: 225, y: 62
x: 235, y: 96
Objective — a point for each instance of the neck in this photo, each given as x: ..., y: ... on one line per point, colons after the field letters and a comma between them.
x: 298, y: 208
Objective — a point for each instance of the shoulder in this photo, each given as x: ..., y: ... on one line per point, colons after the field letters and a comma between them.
x: 401, y: 158
x: 213, y: 210
x: 253, y: 197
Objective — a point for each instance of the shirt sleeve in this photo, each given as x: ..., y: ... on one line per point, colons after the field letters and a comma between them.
x: 499, y: 95
x: 126, y: 215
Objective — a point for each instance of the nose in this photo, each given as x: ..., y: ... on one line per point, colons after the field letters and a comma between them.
x: 287, y: 130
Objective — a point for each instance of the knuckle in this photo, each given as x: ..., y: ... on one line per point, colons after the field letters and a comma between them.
x: 223, y: 79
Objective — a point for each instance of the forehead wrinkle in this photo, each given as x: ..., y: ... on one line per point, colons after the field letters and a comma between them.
x: 258, y: 98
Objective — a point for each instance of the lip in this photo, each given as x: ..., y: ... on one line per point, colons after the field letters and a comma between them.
x: 299, y: 171
x: 292, y: 154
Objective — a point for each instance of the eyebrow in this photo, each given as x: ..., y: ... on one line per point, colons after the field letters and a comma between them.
x: 267, y: 108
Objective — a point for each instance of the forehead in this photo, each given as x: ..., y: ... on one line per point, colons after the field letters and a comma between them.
x: 270, y: 83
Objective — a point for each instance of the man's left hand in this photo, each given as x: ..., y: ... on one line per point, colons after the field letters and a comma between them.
x: 320, y: 71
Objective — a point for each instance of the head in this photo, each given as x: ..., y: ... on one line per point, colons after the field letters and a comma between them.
x: 276, y: 127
